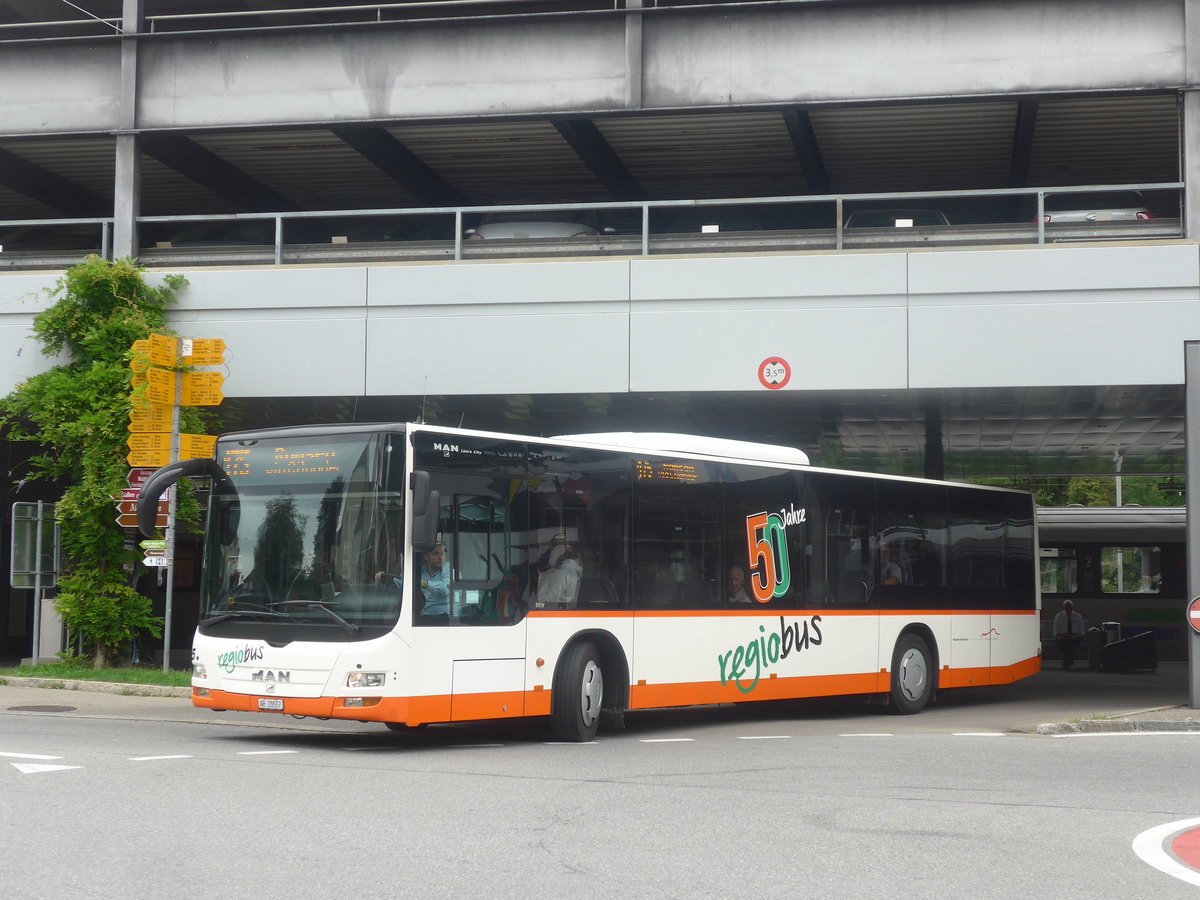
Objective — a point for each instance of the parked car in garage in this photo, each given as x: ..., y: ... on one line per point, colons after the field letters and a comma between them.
x: 539, y: 224
x: 1082, y: 207
x: 896, y: 218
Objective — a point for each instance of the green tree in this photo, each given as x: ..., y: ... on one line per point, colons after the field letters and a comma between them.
x: 78, y: 412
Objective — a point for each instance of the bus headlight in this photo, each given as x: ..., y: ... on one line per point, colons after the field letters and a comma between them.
x: 365, y: 679
x: 200, y: 670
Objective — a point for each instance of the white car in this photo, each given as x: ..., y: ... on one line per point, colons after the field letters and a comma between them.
x: 539, y: 224
x: 1095, y: 206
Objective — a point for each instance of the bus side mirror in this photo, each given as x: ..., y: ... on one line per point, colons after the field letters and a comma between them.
x: 425, y: 505
x: 160, y: 480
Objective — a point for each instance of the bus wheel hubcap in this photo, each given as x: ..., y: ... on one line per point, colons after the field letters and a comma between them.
x: 912, y: 674
x: 592, y: 692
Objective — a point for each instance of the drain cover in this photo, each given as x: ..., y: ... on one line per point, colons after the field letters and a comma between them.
x: 41, y: 709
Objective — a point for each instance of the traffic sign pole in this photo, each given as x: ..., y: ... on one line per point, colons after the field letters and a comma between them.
x: 170, y: 555
x: 1191, y: 381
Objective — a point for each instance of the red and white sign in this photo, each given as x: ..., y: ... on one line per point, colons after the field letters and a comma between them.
x: 774, y: 373
x: 1193, y: 614
x: 137, y: 477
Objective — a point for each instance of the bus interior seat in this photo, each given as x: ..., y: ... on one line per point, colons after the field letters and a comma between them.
x: 597, y: 593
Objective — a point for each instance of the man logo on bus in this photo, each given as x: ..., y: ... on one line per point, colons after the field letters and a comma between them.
x: 766, y: 539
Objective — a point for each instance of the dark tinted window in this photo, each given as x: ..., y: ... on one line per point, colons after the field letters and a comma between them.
x: 677, y: 535
x: 912, y: 542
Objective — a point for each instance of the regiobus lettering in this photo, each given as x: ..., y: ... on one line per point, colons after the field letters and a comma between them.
x: 765, y: 651
x: 442, y: 575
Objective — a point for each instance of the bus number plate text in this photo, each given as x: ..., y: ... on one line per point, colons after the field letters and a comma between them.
x: 270, y: 703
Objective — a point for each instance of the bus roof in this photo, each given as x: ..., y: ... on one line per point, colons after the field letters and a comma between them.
x: 660, y: 441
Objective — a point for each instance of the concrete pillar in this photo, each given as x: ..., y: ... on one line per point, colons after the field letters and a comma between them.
x: 633, y: 55
x: 127, y: 170
x: 1190, y: 126
x: 935, y: 453
x: 1191, y: 381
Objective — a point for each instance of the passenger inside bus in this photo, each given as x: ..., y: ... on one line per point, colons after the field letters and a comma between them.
x: 557, y: 573
x: 889, y: 571
x: 736, y: 586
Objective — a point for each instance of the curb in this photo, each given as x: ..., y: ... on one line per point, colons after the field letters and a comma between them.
x: 1101, y: 726
x: 98, y: 687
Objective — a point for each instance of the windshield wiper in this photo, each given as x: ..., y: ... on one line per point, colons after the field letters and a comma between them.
x: 349, y: 626
x: 245, y: 614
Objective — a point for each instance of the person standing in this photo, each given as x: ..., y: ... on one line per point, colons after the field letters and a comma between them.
x: 1069, y: 629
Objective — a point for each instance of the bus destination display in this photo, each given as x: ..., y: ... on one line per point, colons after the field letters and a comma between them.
x: 658, y: 470
x: 274, y: 462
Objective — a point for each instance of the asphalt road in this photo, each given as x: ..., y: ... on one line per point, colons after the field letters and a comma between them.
x: 128, y: 795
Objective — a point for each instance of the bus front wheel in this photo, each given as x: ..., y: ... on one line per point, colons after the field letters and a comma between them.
x: 578, y: 693
x: 912, y: 675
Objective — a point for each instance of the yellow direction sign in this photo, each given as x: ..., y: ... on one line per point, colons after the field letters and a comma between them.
x: 202, y: 389
x: 151, y: 458
x: 164, y: 351
x: 160, y: 386
x: 150, y: 417
x: 196, y: 446
x: 152, y: 441
x: 203, y: 351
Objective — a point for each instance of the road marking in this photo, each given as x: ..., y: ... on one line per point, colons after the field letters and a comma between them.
x: 33, y: 769
x: 765, y: 737
x: 264, y: 752
x: 667, y: 741
x: 151, y: 758
x: 29, y: 756
x: 1149, y: 847
x: 867, y: 734
x: 568, y: 743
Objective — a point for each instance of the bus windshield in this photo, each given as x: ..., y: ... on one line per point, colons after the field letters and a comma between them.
x: 306, y: 537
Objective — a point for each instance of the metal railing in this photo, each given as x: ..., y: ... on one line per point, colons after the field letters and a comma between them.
x: 639, y: 240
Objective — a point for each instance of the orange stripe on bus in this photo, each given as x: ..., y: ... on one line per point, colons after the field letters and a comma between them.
x: 508, y: 704
x: 768, y: 611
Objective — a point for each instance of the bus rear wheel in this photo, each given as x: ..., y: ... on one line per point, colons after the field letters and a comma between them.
x: 912, y: 675
x: 578, y: 694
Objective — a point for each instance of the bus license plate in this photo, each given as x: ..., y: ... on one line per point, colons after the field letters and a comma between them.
x: 270, y: 703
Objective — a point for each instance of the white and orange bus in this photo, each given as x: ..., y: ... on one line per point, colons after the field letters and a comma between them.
x: 412, y: 574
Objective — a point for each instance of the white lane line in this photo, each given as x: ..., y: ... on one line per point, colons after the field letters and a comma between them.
x: 979, y: 734
x: 151, y: 758
x: 29, y: 756
x: 568, y: 743
x: 264, y: 752
x: 33, y: 768
x: 765, y: 737
x: 667, y: 741
x: 1149, y: 848
x: 867, y: 734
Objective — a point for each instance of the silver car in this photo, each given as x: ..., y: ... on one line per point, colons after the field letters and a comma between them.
x: 539, y: 224
x: 1095, y: 206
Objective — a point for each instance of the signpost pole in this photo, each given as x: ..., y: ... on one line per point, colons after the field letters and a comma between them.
x: 37, y: 586
x: 170, y: 567
x: 1191, y: 375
